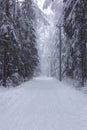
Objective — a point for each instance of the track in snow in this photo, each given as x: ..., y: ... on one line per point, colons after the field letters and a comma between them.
x: 43, y: 104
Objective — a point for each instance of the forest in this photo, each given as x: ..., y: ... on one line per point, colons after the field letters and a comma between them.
x: 32, y: 34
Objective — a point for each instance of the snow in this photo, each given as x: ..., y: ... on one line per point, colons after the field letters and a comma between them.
x: 40, y: 3
x: 43, y: 104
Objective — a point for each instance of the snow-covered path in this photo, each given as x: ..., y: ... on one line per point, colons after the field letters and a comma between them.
x: 43, y: 104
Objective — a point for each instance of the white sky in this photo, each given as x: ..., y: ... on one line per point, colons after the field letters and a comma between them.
x: 20, y: 0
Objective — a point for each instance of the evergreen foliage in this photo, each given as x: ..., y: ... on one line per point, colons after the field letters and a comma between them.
x: 75, y: 25
x: 18, y: 52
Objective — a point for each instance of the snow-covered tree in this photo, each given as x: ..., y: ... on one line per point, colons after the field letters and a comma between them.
x: 8, y: 40
x: 76, y: 34
x: 18, y: 41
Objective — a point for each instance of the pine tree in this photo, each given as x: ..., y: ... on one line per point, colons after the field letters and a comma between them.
x: 18, y: 52
x: 27, y: 38
x: 76, y: 33
x: 8, y: 39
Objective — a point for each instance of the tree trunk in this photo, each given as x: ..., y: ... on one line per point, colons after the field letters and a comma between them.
x: 7, y: 8
x: 5, y: 66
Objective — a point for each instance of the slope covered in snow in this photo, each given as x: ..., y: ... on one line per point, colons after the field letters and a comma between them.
x: 43, y: 104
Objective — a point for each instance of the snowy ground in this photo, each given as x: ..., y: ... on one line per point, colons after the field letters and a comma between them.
x: 43, y: 104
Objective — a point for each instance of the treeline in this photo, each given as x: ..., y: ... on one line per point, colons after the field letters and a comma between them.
x: 75, y: 26
x: 18, y: 52
x: 69, y: 56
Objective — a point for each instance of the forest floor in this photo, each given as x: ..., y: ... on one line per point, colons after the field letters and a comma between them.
x: 43, y: 104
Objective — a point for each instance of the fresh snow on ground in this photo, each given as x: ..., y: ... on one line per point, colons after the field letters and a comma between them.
x: 43, y: 104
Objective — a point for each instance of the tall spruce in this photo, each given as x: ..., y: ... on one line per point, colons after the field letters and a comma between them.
x: 75, y: 22
x: 18, y: 52
x: 27, y: 38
